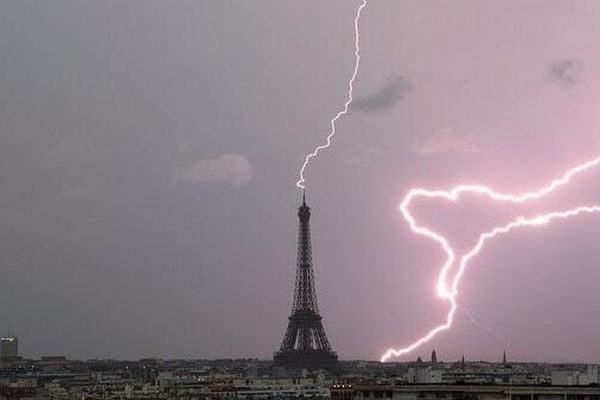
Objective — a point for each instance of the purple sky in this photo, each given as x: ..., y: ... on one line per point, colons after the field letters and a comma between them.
x: 149, y: 150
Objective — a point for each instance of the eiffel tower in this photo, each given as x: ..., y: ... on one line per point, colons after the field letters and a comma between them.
x: 305, y: 344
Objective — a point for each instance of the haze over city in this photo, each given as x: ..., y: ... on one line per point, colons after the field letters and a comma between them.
x: 149, y: 153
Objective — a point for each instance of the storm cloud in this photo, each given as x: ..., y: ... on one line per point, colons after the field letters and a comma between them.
x: 394, y: 90
x: 565, y: 73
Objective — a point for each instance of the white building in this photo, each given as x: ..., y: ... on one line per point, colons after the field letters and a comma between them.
x: 9, y: 346
x: 424, y: 375
x: 572, y: 377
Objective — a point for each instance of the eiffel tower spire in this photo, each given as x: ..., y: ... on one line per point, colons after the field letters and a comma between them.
x: 305, y: 343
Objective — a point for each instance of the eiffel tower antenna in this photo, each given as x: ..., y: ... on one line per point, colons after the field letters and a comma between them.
x: 305, y: 343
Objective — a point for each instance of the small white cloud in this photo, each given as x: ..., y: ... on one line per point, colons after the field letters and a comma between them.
x: 231, y: 168
x: 363, y: 154
x: 63, y: 150
x: 445, y: 140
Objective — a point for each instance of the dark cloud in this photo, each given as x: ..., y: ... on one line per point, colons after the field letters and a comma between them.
x: 566, y: 73
x: 394, y: 90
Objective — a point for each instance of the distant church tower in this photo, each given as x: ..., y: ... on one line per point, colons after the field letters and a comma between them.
x: 504, y: 363
x: 305, y: 344
x: 433, y: 358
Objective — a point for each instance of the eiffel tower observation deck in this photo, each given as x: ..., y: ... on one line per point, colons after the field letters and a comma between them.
x: 305, y: 343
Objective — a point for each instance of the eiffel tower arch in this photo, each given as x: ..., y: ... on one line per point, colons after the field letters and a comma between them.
x: 305, y: 344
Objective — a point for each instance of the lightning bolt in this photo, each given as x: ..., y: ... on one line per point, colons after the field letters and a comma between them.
x: 445, y: 290
x: 449, y: 291
x: 344, y: 111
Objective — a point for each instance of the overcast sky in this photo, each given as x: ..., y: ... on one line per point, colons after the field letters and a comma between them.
x: 149, y: 151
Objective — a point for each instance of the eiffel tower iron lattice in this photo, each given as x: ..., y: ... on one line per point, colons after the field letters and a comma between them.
x: 305, y: 343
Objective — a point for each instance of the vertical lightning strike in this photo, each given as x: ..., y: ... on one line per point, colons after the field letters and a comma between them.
x: 450, y: 294
x: 300, y: 184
